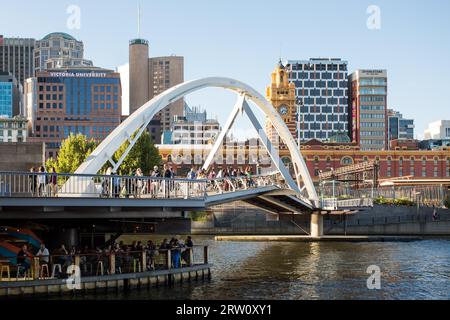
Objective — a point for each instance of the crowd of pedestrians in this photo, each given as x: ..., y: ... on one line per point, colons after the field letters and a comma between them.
x: 45, y: 184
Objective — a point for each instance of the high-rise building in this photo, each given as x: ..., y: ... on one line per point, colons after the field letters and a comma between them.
x: 139, y: 73
x: 368, y: 101
x: 321, y: 90
x: 166, y: 72
x: 17, y: 57
x: 399, y: 127
x: 59, y: 50
x: 151, y: 76
x: 281, y: 94
x: 438, y: 130
x: 64, y: 101
x: 11, y: 96
x: 193, y: 128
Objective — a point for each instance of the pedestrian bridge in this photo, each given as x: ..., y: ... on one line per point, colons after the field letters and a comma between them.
x: 51, y: 191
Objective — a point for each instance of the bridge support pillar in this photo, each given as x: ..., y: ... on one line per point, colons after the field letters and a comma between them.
x: 316, y: 225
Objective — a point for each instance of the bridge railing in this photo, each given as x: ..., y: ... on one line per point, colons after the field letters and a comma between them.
x: 335, y: 203
x: 48, y: 185
x: 239, y: 183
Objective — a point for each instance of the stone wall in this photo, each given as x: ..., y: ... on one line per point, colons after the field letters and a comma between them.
x: 21, y: 156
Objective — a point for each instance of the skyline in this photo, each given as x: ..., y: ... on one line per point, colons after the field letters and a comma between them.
x: 260, y: 34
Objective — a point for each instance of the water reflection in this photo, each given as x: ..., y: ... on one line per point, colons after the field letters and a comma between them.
x: 282, y: 270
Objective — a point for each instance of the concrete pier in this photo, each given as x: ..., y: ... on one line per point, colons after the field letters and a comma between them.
x: 316, y: 225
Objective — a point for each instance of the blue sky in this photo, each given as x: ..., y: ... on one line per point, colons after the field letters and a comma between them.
x: 244, y: 39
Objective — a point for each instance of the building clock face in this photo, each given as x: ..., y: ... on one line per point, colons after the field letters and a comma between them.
x: 283, y: 110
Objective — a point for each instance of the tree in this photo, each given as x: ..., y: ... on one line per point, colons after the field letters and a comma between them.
x: 73, y: 152
x: 143, y: 155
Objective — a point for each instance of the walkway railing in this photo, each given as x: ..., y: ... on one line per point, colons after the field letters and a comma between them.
x: 101, y: 263
x: 233, y: 184
x: 336, y: 204
x: 423, y: 195
x: 48, y: 185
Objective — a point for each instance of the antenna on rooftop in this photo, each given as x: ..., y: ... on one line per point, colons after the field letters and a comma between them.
x: 139, y: 20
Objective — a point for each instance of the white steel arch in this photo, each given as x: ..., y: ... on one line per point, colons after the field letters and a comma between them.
x: 139, y: 120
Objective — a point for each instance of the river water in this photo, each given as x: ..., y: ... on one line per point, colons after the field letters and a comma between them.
x: 326, y: 270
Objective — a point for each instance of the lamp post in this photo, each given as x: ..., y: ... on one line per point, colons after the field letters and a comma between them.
x: 298, y: 103
x: 418, y: 205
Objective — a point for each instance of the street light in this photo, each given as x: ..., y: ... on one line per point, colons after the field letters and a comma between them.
x: 298, y: 103
x: 418, y: 205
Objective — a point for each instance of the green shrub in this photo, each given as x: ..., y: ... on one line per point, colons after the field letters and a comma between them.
x: 395, y: 202
x: 199, y: 216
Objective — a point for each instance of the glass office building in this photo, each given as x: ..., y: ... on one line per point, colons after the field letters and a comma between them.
x: 6, y: 99
x: 86, y: 101
x: 399, y: 127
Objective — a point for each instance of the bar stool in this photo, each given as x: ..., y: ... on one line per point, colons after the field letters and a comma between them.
x: 5, y: 268
x: 27, y: 273
x: 41, y: 273
x: 138, y: 262
x: 56, y: 265
x: 100, y: 266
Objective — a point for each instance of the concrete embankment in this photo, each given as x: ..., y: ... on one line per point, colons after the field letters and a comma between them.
x: 379, y: 220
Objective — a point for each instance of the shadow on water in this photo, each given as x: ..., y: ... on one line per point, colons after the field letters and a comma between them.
x: 326, y: 270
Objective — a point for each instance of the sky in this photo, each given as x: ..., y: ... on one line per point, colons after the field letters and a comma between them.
x: 244, y: 40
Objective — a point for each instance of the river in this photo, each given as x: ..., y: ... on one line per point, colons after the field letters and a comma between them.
x: 326, y: 270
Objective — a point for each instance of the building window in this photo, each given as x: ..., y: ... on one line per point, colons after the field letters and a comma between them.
x: 389, y: 161
x: 411, y: 161
x: 346, y: 161
x: 424, y: 172
x: 424, y: 161
x: 436, y: 161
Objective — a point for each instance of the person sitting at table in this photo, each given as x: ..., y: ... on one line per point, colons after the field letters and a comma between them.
x: 23, y: 259
x: 43, y: 254
x: 62, y: 256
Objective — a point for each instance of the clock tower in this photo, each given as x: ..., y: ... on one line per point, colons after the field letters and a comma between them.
x: 281, y: 94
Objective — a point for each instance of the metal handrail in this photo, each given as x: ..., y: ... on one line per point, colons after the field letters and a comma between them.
x: 49, y: 185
